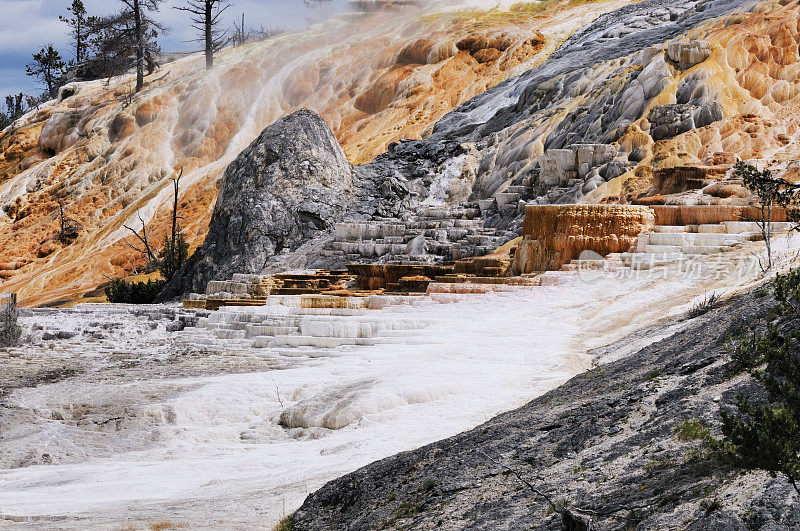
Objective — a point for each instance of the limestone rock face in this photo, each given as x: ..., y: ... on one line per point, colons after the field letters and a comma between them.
x: 558, y: 166
x: 289, y: 185
x: 555, y: 235
x: 688, y: 54
x: 681, y: 178
x: 668, y: 121
x: 60, y: 132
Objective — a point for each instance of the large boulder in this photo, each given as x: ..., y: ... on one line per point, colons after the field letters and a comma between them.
x: 287, y: 187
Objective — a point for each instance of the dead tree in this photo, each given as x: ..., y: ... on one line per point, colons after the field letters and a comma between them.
x: 145, y: 250
x: 239, y: 33
x: 205, y: 17
x: 69, y: 229
x: 10, y: 331
x: 175, y: 251
x: 175, y: 187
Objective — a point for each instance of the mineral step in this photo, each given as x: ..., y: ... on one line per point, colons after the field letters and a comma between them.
x: 705, y: 249
x: 726, y: 227
x: 259, y: 330
x: 674, y: 229
x: 663, y: 249
x: 437, y: 291
x: 465, y: 279
x: 557, y: 278
x: 326, y: 342
x: 347, y: 312
x: 214, y: 304
x: 752, y: 226
x: 696, y: 238
x: 449, y: 233
x: 639, y: 261
x: 505, y: 199
x: 596, y: 265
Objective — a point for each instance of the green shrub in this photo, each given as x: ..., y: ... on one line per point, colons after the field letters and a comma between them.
x: 691, y: 430
x: 124, y: 292
x: 286, y: 523
x: 10, y: 332
x: 173, y: 255
x: 706, y: 305
x: 766, y: 435
x: 787, y: 292
x: 748, y: 351
x: 649, y: 376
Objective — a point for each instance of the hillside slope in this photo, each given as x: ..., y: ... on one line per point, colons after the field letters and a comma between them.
x: 667, y: 95
x: 605, y: 442
x: 651, y: 103
x: 108, y: 154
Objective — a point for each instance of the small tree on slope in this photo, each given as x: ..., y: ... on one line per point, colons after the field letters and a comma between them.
x: 79, y: 28
x: 48, y: 67
x: 176, y: 250
x: 10, y: 331
x: 767, y: 435
x: 772, y: 192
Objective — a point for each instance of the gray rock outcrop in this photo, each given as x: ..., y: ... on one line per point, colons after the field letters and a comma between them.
x: 558, y: 166
x: 668, y: 121
x: 290, y: 184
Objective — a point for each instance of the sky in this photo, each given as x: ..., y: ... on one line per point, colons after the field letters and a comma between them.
x: 27, y: 25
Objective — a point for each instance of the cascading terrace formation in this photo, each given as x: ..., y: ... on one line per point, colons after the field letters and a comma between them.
x: 447, y: 266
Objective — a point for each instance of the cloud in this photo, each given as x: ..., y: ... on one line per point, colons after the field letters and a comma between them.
x: 27, y: 25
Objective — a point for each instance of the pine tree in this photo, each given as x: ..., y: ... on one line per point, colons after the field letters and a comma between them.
x: 79, y: 29
x: 173, y: 255
x: 15, y: 108
x: 126, y: 38
x: 137, y: 11
x: 48, y: 67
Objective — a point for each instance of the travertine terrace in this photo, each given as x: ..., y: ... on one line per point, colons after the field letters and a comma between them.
x: 403, y: 223
x: 121, y: 416
x: 695, y: 91
x: 556, y: 235
x: 375, y: 78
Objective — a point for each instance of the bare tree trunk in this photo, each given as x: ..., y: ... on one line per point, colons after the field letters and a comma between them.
x: 175, y: 184
x: 137, y: 16
x: 209, y: 37
x: 61, y: 215
x: 147, y: 250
